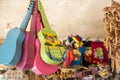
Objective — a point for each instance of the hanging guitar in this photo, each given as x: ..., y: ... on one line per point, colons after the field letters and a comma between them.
x: 40, y: 67
x: 11, y: 49
x: 28, y: 52
x: 52, y: 50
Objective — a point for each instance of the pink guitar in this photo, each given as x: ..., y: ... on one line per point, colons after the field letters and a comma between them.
x: 28, y: 53
x: 40, y: 67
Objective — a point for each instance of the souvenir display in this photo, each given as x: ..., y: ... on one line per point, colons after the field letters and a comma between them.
x: 14, y: 75
x: 74, y: 50
x: 87, y: 56
x: 38, y: 54
x: 111, y: 24
x: 69, y: 57
x: 99, y: 53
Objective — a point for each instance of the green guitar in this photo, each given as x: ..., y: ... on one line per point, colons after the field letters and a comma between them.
x: 51, y: 48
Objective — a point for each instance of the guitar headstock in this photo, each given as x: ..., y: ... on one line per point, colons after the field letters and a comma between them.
x: 40, y: 6
x: 31, y: 5
x: 35, y: 6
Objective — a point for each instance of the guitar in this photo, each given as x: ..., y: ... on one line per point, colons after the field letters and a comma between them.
x: 11, y: 49
x: 40, y: 67
x: 28, y: 52
x: 52, y: 50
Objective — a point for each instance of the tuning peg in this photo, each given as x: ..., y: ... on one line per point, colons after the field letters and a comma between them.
x: 28, y: 8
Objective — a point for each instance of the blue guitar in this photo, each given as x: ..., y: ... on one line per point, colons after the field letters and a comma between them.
x: 11, y: 49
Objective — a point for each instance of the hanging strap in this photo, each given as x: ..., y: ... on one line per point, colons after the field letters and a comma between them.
x: 34, y: 17
x: 43, y: 15
x: 27, y: 16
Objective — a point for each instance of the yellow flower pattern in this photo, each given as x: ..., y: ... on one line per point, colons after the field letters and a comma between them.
x: 51, y: 39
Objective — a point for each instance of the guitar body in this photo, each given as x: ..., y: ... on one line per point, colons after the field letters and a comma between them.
x: 10, y: 51
x: 53, y: 49
x: 28, y: 52
x: 40, y: 67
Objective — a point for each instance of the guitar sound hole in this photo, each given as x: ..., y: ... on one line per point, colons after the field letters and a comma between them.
x: 50, y: 39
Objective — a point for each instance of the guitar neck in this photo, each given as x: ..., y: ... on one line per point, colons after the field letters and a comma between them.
x: 43, y: 15
x: 38, y: 22
x: 34, y: 17
x: 27, y: 16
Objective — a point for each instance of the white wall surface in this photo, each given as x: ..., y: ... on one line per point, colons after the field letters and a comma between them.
x: 82, y: 17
